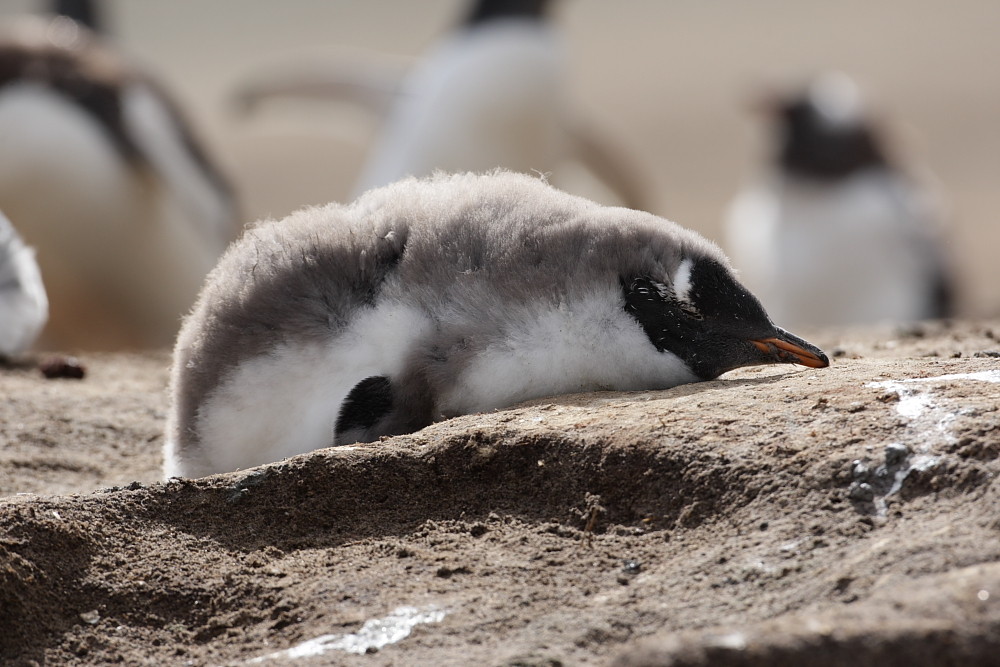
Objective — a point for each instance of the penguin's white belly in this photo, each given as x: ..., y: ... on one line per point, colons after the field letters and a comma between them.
x: 118, y: 251
x: 847, y: 255
x: 24, y: 306
x: 589, y: 346
x: 483, y: 100
x: 286, y: 402
x: 56, y: 167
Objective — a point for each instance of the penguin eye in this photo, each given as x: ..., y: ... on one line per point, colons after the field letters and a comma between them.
x: 688, y: 309
x: 679, y: 299
x: 649, y: 290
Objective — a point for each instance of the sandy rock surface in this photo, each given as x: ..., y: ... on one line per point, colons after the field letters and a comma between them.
x: 777, y: 516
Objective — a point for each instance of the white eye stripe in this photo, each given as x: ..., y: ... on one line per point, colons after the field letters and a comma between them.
x: 682, y: 281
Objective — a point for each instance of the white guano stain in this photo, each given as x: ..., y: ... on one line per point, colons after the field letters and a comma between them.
x: 923, y: 412
x: 374, y: 634
x: 916, y: 402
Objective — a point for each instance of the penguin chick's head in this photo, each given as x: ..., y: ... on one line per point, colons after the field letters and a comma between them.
x: 711, y: 322
x: 824, y: 132
x: 482, y: 12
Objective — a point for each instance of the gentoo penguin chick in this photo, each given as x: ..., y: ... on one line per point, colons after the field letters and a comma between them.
x: 491, y: 93
x: 103, y: 177
x: 24, y: 307
x: 433, y: 298
x: 835, y: 233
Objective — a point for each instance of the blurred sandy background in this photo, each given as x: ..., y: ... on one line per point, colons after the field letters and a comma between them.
x: 669, y: 78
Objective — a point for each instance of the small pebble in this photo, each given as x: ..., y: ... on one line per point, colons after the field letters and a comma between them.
x: 896, y: 453
x: 62, y: 367
x: 861, y: 491
x: 632, y: 567
x: 911, y: 331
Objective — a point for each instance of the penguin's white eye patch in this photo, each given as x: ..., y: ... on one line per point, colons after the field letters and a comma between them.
x: 682, y: 289
x: 682, y: 281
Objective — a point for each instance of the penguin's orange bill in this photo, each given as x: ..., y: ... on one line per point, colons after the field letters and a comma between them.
x: 790, y: 353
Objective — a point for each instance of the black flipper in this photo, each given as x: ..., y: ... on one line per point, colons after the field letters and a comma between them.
x: 378, y: 406
x: 369, y: 402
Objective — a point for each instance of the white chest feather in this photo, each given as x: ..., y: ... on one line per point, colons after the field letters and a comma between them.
x: 854, y: 253
x: 592, y: 345
x: 24, y: 307
x: 484, y: 99
x: 129, y: 243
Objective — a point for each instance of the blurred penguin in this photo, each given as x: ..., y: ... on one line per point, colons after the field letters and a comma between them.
x: 24, y: 308
x: 104, y: 178
x: 491, y: 93
x: 835, y: 233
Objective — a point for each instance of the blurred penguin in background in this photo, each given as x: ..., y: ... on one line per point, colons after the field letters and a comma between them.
x: 491, y: 93
x: 103, y: 177
x: 24, y: 307
x: 834, y: 232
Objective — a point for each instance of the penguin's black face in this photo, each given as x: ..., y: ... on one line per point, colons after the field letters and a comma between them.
x: 712, y: 322
x: 484, y: 11
x: 813, y: 146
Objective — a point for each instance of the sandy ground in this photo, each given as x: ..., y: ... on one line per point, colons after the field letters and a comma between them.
x: 776, y: 516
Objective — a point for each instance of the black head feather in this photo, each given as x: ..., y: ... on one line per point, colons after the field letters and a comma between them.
x: 713, y: 328
x: 484, y: 11
x: 820, y: 139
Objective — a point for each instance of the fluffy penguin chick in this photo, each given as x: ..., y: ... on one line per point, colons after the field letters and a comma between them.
x: 433, y: 298
x: 24, y: 307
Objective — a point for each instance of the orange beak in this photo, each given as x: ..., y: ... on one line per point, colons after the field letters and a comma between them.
x: 790, y: 353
